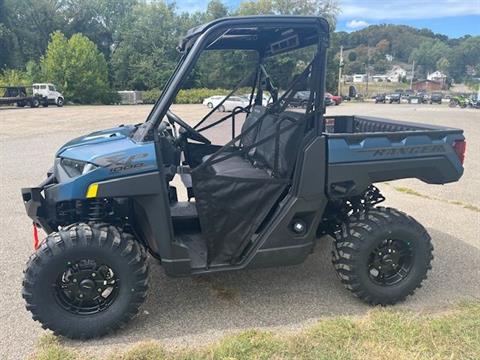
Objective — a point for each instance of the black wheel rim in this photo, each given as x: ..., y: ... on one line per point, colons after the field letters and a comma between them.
x: 86, y: 287
x: 390, y: 262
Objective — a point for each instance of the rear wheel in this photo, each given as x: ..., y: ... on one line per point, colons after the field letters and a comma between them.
x: 60, y: 102
x: 86, y: 280
x: 34, y: 103
x: 382, y: 255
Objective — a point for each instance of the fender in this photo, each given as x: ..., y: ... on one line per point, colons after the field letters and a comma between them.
x: 153, y: 222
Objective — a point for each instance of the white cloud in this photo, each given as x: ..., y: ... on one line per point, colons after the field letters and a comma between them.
x: 407, y: 9
x: 356, y: 24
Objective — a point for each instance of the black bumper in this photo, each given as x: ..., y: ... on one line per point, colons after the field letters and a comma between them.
x: 36, y: 207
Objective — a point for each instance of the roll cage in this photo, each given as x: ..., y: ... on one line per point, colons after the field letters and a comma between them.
x: 268, y: 36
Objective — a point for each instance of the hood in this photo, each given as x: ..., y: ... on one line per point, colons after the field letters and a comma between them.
x: 102, y: 136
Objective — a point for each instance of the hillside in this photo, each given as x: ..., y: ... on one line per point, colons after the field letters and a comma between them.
x: 382, y: 46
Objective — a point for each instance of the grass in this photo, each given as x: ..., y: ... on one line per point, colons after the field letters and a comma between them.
x: 384, y: 333
x: 413, y: 192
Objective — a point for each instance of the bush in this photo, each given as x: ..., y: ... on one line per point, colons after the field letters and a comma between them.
x: 150, y: 96
x: 196, y: 96
x: 189, y: 96
x: 110, y: 97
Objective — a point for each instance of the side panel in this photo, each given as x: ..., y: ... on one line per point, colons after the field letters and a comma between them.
x: 355, y: 162
x: 280, y: 245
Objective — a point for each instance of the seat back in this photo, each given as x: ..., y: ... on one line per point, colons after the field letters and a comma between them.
x: 288, y: 142
x: 248, y: 137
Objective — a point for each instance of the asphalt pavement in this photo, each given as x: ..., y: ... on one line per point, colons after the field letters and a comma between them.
x: 193, y: 311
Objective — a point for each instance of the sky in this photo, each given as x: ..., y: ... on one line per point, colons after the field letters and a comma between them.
x: 453, y: 18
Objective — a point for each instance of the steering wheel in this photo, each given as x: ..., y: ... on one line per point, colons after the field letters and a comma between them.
x: 190, y: 132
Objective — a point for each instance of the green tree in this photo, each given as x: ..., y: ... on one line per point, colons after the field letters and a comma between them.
x: 14, y: 77
x: 77, y: 67
x: 145, y: 52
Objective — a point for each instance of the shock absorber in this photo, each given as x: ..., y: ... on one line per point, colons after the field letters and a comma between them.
x: 96, y: 210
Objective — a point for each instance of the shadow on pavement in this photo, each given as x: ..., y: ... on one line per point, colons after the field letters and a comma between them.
x: 187, y: 307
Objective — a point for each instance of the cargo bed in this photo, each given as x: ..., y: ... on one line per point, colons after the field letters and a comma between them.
x: 373, y: 149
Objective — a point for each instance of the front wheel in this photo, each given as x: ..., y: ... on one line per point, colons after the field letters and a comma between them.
x: 382, y: 255
x: 86, y: 280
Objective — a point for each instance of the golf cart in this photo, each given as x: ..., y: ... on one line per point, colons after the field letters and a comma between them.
x: 266, y: 197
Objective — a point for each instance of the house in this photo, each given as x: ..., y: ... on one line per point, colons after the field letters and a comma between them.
x: 359, y: 78
x: 396, y: 73
x: 428, y: 85
x: 437, y: 76
x: 380, y: 78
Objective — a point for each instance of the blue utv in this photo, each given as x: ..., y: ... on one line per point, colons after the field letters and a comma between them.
x: 288, y: 179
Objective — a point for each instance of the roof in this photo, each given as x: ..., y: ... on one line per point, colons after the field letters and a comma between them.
x: 260, y: 33
x: 427, y: 81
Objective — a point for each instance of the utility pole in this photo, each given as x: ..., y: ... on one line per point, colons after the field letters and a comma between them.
x: 368, y: 66
x: 340, y: 66
x: 413, y: 73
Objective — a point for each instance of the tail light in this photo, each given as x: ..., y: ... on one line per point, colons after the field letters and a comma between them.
x: 460, y: 146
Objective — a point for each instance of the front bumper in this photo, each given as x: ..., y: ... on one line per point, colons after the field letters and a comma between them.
x: 36, y: 205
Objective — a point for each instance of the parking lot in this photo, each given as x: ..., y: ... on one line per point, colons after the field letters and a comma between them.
x: 192, y: 311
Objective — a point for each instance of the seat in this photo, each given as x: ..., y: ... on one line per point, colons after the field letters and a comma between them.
x: 239, y: 167
x: 248, y: 137
x: 259, y: 162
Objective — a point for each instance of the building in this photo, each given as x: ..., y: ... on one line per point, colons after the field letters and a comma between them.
x: 428, y: 85
x: 359, y: 78
x: 396, y: 73
x: 130, y: 97
x: 437, y: 76
x: 380, y: 78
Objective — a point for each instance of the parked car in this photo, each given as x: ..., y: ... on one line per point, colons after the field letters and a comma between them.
x: 423, y: 96
x: 380, y: 98
x: 414, y: 99
x: 335, y: 98
x: 50, y: 93
x: 394, y: 98
x: 300, y: 99
x: 213, y: 101
x: 266, y: 99
x: 436, y: 97
x: 232, y: 102
x: 329, y: 101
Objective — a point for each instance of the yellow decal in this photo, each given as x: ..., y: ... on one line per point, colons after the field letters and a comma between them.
x: 92, y: 190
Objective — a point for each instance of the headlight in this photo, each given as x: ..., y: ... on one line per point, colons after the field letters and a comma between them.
x: 76, y: 168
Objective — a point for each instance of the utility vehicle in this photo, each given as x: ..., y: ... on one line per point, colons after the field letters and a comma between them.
x: 286, y: 181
